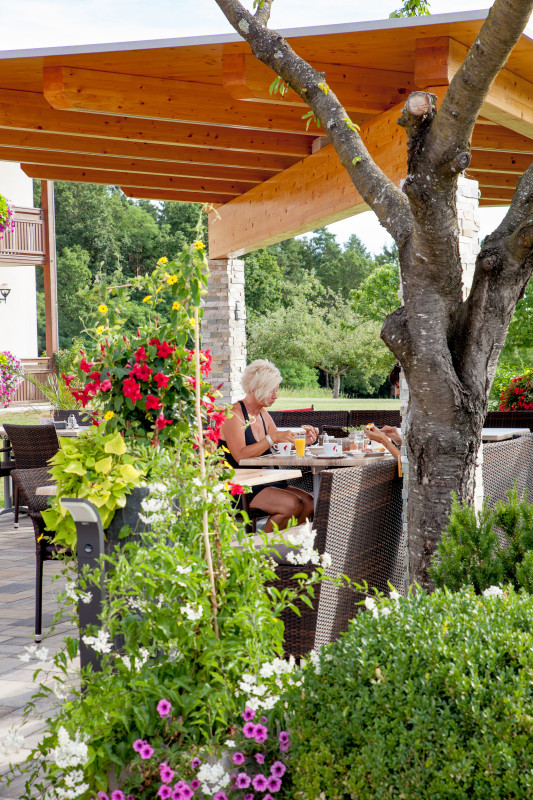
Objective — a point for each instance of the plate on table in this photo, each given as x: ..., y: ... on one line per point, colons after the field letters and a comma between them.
x: 282, y: 455
x: 374, y: 453
x: 322, y: 455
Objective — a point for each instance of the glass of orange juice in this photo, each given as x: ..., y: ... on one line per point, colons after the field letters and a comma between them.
x: 299, y: 444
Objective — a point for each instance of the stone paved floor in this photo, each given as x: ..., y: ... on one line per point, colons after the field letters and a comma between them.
x: 17, y: 608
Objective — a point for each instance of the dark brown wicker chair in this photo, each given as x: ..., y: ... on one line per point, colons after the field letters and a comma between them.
x: 27, y: 481
x: 503, y: 464
x: 379, y: 418
x: 7, y: 465
x: 362, y: 532
x: 32, y: 446
x: 509, y: 419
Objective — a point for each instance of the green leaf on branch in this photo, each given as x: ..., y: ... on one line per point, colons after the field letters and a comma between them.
x: 278, y: 85
x: 310, y: 117
x: 323, y: 85
x: 353, y: 126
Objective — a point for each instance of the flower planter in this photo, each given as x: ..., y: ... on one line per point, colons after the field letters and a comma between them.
x: 129, y: 515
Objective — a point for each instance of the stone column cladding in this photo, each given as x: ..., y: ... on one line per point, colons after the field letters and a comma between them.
x: 467, y: 199
x: 223, y: 324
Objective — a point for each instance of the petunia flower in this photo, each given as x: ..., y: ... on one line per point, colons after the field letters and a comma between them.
x: 242, y: 781
x: 248, y: 714
x: 164, y: 792
x: 259, y: 782
x: 238, y: 759
x: 249, y: 730
x: 278, y: 769
x: 274, y: 784
x: 163, y: 708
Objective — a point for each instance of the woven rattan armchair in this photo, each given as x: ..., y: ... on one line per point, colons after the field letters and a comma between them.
x: 503, y: 464
x: 27, y: 481
x: 32, y: 446
x: 379, y: 418
x: 362, y: 532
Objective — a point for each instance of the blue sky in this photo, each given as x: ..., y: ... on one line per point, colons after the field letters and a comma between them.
x: 50, y: 23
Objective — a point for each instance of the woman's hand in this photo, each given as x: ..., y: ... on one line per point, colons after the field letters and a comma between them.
x: 393, y: 433
x: 376, y: 435
x: 282, y: 436
x: 310, y: 434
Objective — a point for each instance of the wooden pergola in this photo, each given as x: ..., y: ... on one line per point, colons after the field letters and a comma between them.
x: 194, y: 120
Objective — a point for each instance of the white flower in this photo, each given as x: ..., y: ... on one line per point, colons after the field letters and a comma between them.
x: 12, y: 744
x: 394, y: 595
x: 385, y: 611
x: 191, y: 612
x: 69, y: 752
x: 304, y: 540
x: 213, y: 777
x: 229, y: 743
x: 314, y: 659
x: 99, y: 643
x: 493, y: 591
x: 370, y: 603
x: 34, y: 651
x: 182, y: 570
x: 326, y: 560
x: 134, y: 663
x: 73, y: 778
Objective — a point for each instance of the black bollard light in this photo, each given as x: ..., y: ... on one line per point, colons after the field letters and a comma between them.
x: 90, y: 546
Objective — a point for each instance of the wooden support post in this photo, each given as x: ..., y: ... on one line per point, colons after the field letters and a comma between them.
x: 50, y: 267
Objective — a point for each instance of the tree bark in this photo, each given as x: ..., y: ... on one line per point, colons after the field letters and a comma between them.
x: 336, y: 386
x: 448, y: 347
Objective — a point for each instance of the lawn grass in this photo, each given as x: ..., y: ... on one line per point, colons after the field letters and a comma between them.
x: 322, y: 400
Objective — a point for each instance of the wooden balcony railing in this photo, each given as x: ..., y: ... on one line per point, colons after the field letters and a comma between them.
x: 27, y: 393
x: 25, y: 244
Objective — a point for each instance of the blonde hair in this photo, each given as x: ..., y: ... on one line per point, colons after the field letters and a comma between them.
x: 260, y: 378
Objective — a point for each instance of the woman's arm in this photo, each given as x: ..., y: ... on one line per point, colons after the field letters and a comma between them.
x: 234, y: 436
x: 378, y: 436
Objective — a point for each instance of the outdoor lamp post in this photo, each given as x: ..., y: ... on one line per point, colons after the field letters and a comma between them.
x: 4, y: 291
x: 90, y: 546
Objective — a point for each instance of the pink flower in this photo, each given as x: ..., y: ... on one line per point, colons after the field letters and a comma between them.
x: 278, y: 769
x: 220, y: 796
x: 147, y: 751
x: 164, y: 792
x: 261, y: 733
x: 105, y: 385
x: 248, y: 797
x: 138, y: 745
x: 249, y: 730
x: 195, y: 784
x: 238, y: 759
x: 248, y: 714
x: 196, y: 762
x: 161, y: 422
x: 141, y: 371
x: 163, y: 708
x: 242, y: 781
x: 117, y: 795
x: 284, y: 737
x: 274, y: 784
x: 167, y: 773
x: 284, y: 746
x: 86, y: 366
x: 259, y: 782
x: 259, y: 757
x: 131, y: 389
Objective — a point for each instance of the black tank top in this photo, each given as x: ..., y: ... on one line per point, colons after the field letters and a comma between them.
x: 249, y: 437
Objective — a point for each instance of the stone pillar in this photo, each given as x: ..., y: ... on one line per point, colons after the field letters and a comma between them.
x: 467, y: 200
x: 223, y: 325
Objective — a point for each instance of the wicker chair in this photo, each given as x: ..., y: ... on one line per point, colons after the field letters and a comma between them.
x: 7, y: 465
x: 503, y: 464
x: 509, y: 419
x: 379, y: 418
x: 27, y: 481
x: 362, y: 532
x: 33, y: 446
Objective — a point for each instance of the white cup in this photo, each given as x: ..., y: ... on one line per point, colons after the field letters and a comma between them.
x: 333, y: 448
x: 283, y: 448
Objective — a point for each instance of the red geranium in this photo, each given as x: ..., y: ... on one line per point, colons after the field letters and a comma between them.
x: 235, y: 488
x: 161, y: 380
x: 131, y: 389
x: 153, y: 402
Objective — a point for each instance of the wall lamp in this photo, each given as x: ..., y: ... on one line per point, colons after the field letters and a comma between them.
x: 4, y: 291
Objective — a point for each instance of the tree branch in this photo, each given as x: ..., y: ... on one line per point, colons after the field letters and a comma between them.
x: 262, y: 13
x: 385, y: 199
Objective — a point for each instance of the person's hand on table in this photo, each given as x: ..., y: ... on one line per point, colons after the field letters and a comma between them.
x: 393, y: 433
x: 283, y: 436
x: 377, y: 436
x: 310, y: 434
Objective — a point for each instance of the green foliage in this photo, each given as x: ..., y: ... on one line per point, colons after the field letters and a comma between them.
x: 425, y: 698
x: 377, y: 295
x: 96, y: 466
x: 412, y: 8
x: 520, y: 333
x: 505, y: 372
x: 470, y: 554
x: 56, y: 392
x: 298, y: 376
x: 264, y: 282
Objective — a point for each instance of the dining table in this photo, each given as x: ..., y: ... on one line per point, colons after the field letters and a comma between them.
x: 314, y: 459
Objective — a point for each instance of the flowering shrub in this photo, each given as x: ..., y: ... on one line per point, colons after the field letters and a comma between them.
x: 7, y: 222
x: 518, y: 396
x: 11, y: 376
x: 427, y: 697
x: 145, y: 386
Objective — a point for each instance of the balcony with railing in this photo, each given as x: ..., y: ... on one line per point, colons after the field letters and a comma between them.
x: 26, y: 243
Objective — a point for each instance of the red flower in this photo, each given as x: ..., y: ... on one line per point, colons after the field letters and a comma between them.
x: 235, y: 488
x: 164, y: 350
x: 161, y: 380
x: 131, y: 389
x: 96, y: 377
x: 213, y: 434
x: 67, y: 378
x: 205, y: 362
x: 141, y: 371
x: 218, y: 417
x: 106, y: 385
x: 153, y: 402
x: 141, y: 354
x: 191, y: 380
x: 161, y: 422
x: 154, y: 341
x: 86, y: 366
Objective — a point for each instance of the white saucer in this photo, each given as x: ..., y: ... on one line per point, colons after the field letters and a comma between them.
x: 322, y: 455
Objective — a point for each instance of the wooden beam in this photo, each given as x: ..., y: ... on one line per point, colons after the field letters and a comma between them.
x: 29, y: 111
x: 311, y: 193
x: 50, y: 268
x: 494, y: 137
x: 228, y: 188
x: 369, y: 91
x: 510, y: 100
x: 177, y: 197
x: 494, y: 180
x: 53, y: 142
x: 109, y: 163
x: 486, y: 161
x: 71, y: 89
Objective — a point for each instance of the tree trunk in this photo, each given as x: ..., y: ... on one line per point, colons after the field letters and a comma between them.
x: 336, y: 385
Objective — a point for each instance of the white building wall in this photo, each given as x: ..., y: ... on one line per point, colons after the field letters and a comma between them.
x: 18, y: 315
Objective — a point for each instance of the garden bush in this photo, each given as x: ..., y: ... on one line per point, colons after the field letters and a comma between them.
x: 427, y: 697
x: 471, y: 554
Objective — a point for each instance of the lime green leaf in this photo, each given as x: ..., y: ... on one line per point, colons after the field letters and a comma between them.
x: 116, y: 445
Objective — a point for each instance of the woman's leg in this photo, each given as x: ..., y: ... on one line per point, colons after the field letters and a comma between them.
x: 280, y: 504
x: 307, y: 501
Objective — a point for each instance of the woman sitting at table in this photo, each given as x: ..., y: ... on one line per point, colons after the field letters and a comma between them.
x: 389, y: 436
x: 250, y: 432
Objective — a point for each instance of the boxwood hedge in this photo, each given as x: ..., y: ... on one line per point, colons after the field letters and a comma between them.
x: 428, y: 697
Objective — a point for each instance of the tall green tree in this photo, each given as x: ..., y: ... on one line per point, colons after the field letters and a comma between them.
x: 264, y: 284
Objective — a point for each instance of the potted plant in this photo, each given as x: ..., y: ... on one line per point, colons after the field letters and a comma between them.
x: 518, y: 395
x: 11, y: 376
x: 7, y: 222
